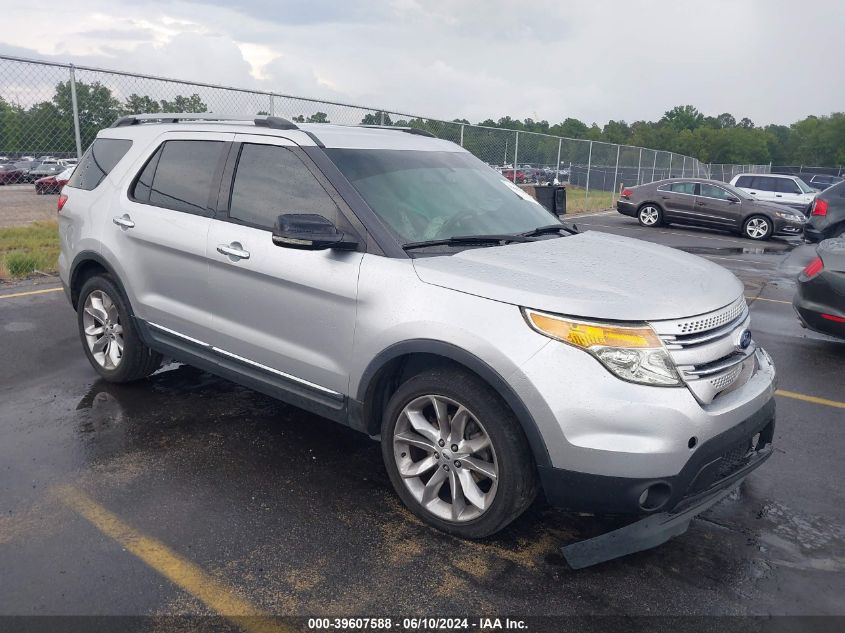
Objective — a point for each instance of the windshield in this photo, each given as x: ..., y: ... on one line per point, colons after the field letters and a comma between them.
x: 804, y: 186
x: 425, y: 195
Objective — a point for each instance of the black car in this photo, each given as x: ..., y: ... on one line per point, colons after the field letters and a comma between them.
x: 827, y: 215
x: 820, y: 182
x: 820, y: 299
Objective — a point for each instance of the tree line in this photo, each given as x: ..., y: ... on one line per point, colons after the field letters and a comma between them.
x: 47, y: 126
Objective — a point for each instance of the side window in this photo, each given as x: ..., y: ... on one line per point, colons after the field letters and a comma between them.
x: 683, y: 187
x: 98, y: 161
x: 179, y: 176
x: 785, y: 185
x: 712, y: 191
x: 764, y: 183
x: 744, y: 181
x: 272, y: 181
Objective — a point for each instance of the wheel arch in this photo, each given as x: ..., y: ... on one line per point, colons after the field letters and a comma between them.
x: 85, y: 265
x: 400, y: 361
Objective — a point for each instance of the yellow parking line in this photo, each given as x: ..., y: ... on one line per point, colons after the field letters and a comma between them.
x: 29, y: 293
x: 770, y: 300
x: 813, y: 399
x: 171, y: 565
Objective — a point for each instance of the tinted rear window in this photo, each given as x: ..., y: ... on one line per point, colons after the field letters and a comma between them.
x: 98, y: 161
x: 179, y: 175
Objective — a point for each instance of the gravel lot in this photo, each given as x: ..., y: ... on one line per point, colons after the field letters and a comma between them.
x: 20, y: 205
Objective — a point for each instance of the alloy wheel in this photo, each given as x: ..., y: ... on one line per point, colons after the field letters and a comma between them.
x: 649, y: 215
x: 757, y: 228
x: 103, y: 330
x: 445, y: 458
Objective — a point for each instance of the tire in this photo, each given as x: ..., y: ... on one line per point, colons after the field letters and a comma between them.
x: 757, y: 227
x: 104, y: 321
x: 491, y: 440
x: 650, y: 215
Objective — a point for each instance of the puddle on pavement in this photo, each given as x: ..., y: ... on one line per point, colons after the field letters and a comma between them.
x: 733, y: 250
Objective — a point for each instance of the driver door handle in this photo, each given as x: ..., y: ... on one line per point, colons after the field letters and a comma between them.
x: 123, y: 221
x: 233, y: 250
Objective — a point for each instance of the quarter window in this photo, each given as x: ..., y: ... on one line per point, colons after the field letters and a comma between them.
x: 270, y: 181
x: 179, y: 176
x: 97, y: 162
x: 744, y: 181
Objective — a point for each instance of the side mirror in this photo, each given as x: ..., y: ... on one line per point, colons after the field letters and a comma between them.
x: 310, y: 232
x: 733, y: 199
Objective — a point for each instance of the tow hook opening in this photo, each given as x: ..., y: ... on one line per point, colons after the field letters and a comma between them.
x: 655, y: 496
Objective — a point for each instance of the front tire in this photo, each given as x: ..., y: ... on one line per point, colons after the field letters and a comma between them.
x: 456, y: 454
x: 108, y: 333
x: 650, y: 215
x: 757, y: 227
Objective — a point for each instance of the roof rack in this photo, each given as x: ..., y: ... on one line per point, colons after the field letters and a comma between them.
x: 407, y: 130
x: 274, y: 122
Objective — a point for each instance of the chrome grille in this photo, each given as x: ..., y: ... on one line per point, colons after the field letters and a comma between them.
x: 706, y: 349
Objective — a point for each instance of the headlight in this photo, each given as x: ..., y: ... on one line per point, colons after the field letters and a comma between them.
x: 632, y: 353
x: 788, y: 216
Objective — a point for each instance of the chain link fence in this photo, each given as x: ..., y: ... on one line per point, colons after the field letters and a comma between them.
x: 726, y: 173
x: 50, y: 112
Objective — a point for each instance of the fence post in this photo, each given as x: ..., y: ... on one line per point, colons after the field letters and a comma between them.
x: 381, y: 117
x: 639, y: 165
x: 670, y: 164
x: 587, y: 186
x: 557, y: 164
x: 616, y: 171
x: 684, y: 167
x: 654, y: 167
x: 462, y: 134
x: 75, y: 107
x: 515, y: 154
x: 272, y: 105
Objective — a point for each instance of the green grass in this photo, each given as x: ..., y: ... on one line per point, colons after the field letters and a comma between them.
x: 579, y: 201
x: 25, y: 249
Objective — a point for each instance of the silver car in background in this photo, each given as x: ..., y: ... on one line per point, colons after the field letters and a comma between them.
x: 396, y: 284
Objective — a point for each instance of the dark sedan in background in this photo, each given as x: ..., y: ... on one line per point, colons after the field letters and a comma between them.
x: 827, y: 215
x: 708, y: 203
x: 820, y: 298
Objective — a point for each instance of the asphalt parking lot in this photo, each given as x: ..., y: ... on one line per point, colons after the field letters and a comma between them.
x: 186, y: 494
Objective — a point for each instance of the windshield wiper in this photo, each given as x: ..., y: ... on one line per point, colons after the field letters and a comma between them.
x: 549, y: 229
x: 462, y: 240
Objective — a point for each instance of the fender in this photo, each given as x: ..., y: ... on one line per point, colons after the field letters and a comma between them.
x: 471, y: 362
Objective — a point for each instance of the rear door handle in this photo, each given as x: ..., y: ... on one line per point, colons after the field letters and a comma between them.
x: 233, y: 250
x: 701, y: 204
x: 123, y: 221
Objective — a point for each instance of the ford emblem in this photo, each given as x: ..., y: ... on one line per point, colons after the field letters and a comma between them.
x: 744, y: 339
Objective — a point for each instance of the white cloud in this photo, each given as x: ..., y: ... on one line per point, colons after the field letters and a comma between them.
x: 623, y: 59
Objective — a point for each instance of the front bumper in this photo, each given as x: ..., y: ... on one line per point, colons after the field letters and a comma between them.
x: 715, y: 465
x: 786, y: 227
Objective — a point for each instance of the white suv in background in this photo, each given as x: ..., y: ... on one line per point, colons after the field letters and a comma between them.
x: 777, y: 188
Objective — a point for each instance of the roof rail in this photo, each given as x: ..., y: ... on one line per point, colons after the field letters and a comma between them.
x: 407, y: 130
x: 274, y: 122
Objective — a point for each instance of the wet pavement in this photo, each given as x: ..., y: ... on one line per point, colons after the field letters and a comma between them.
x: 295, y: 515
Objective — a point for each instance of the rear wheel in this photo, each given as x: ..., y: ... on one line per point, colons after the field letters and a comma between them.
x: 456, y: 455
x: 757, y: 227
x: 108, y: 334
x: 650, y: 215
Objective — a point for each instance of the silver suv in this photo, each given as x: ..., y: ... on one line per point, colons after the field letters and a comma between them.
x: 393, y: 282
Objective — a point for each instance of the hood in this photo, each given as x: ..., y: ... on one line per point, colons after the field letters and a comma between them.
x: 765, y: 205
x: 591, y: 275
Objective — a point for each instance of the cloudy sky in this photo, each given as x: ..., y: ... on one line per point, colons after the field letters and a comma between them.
x: 771, y: 60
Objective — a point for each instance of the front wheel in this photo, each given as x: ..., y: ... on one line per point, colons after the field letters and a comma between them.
x: 650, y: 215
x: 757, y: 227
x: 456, y: 455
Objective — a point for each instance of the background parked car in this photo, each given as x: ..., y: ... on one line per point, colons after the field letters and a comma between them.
x: 708, y: 203
x: 778, y: 188
x: 820, y: 297
x: 10, y: 174
x: 53, y: 184
x: 827, y: 215
x: 820, y: 182
x: 45, y: 168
